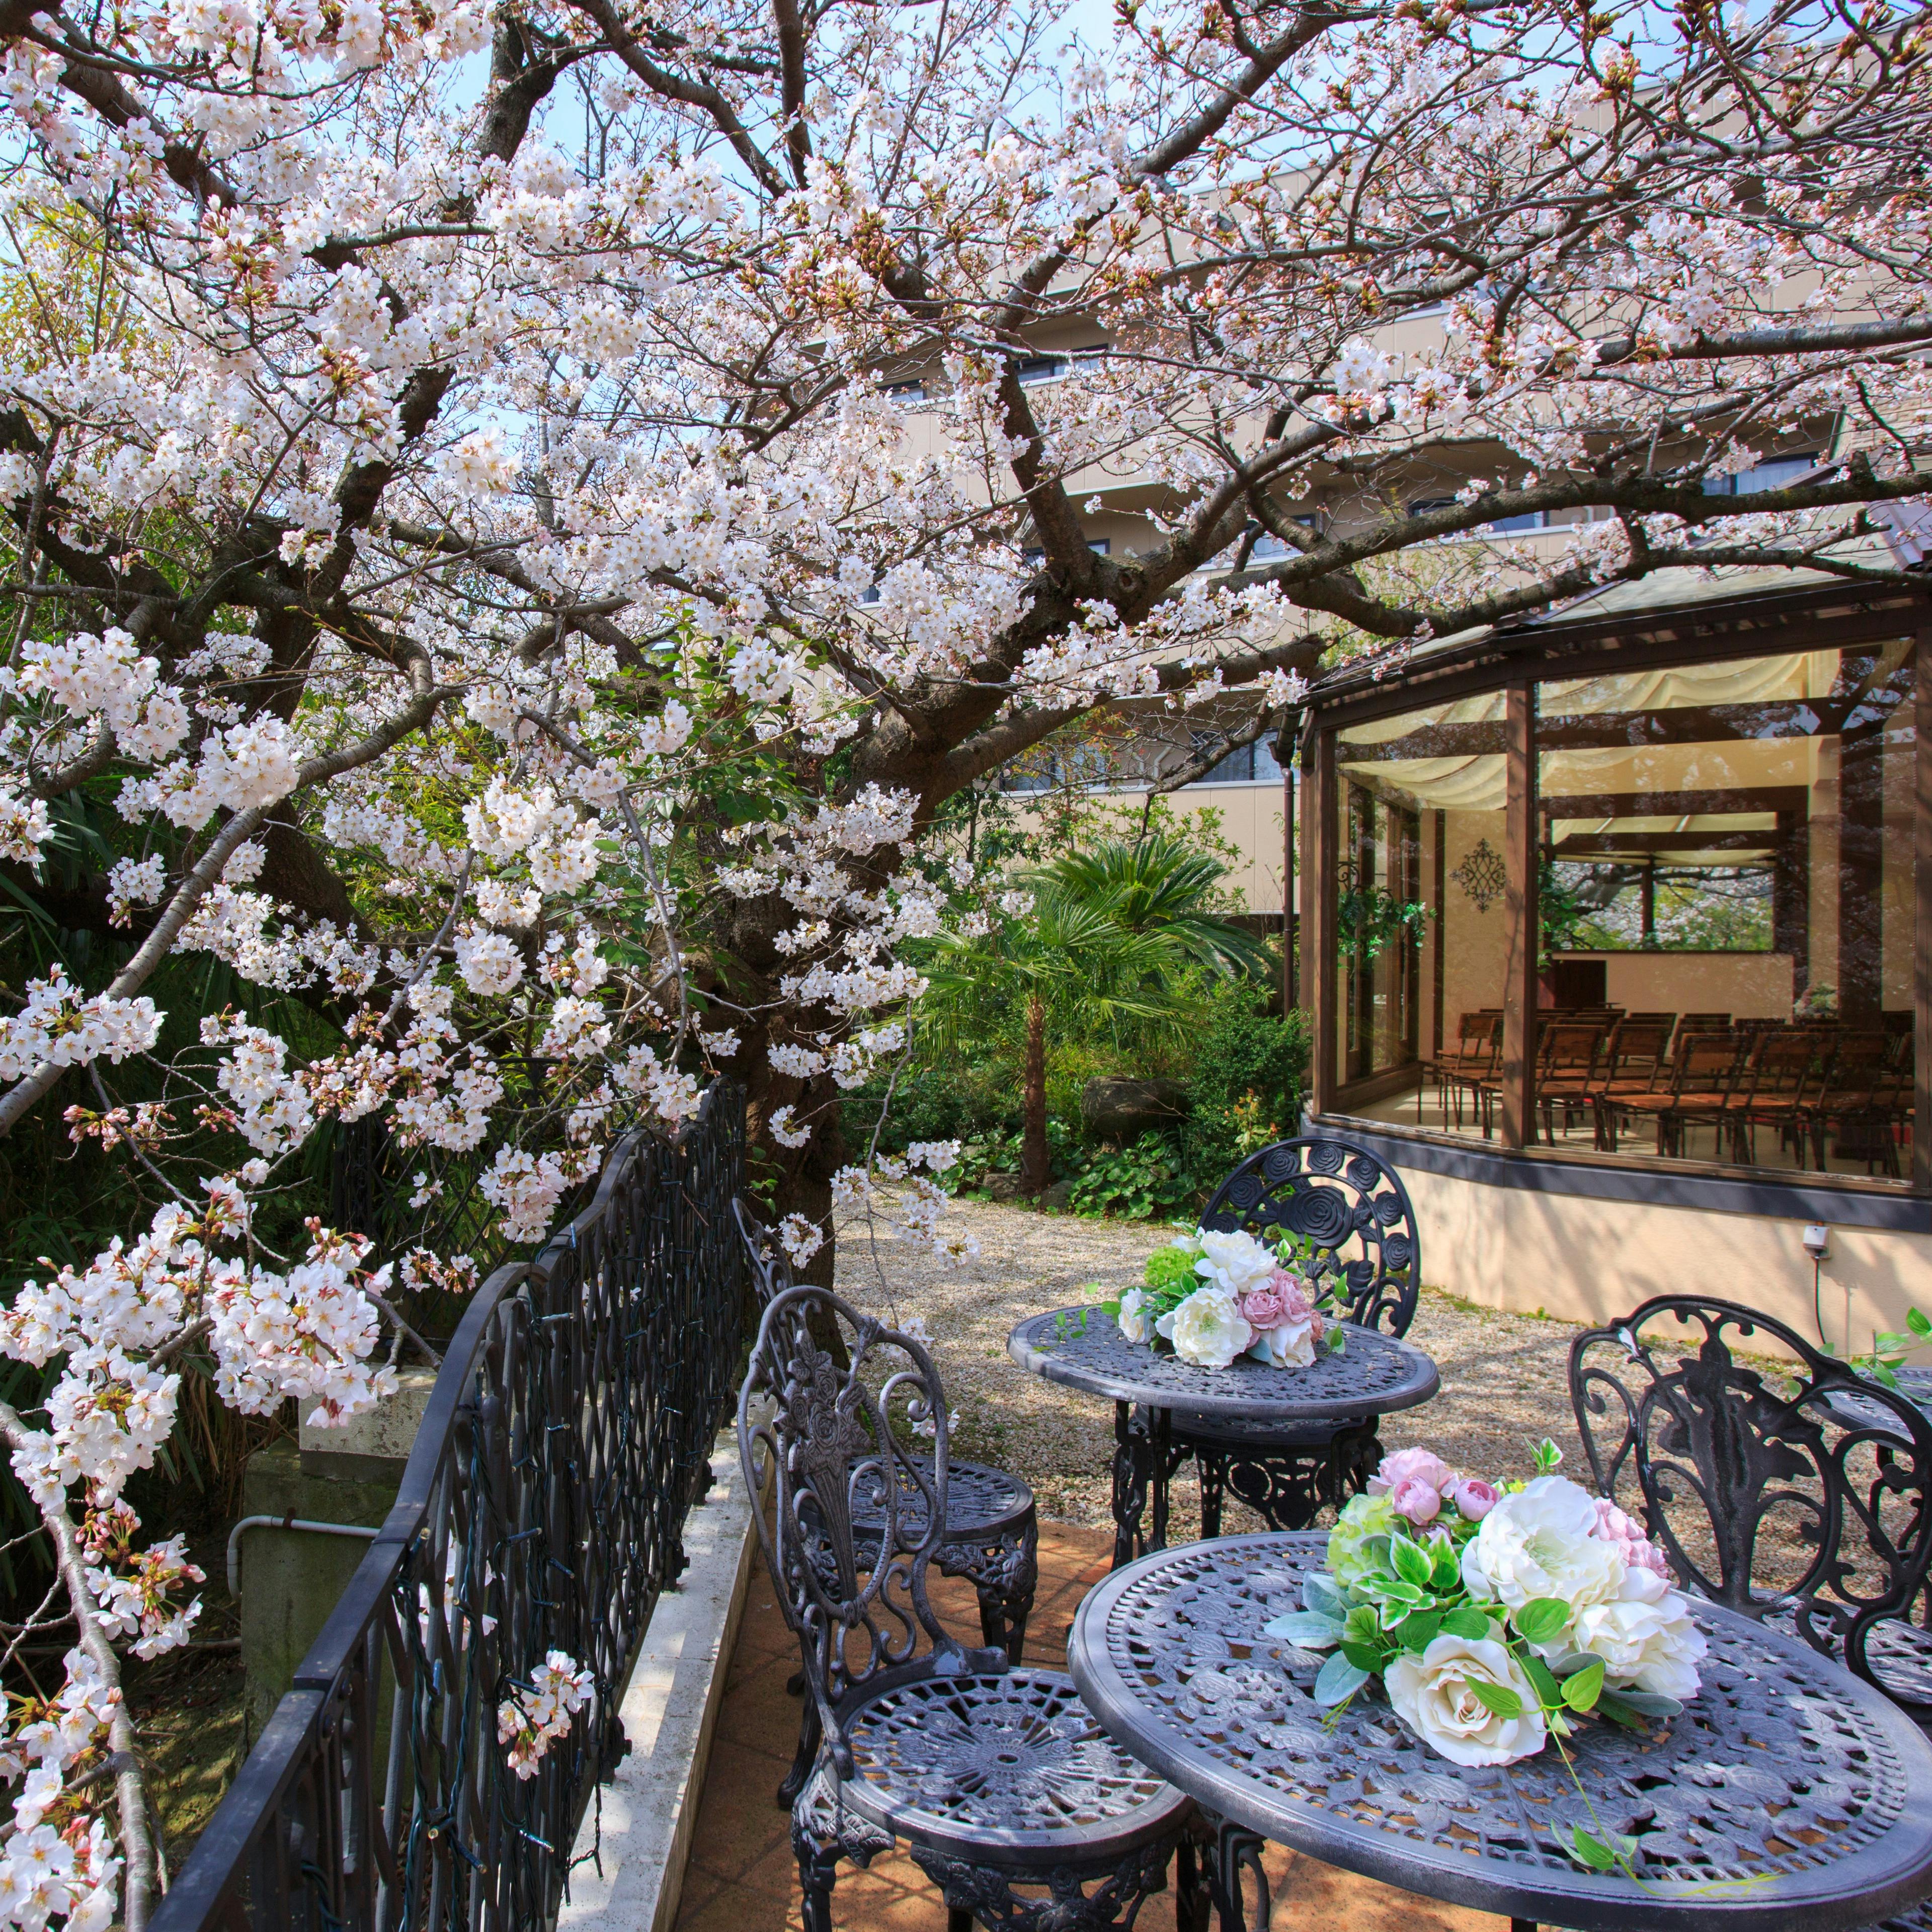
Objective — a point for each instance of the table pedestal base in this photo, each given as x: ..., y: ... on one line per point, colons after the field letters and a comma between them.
x: 1233, y: 1856
x: 1140, y: 1467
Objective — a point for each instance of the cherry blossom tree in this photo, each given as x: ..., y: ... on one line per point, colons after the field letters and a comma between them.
x: 520, y: 513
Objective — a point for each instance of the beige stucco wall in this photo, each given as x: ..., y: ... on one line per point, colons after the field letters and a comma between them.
x: 1590, y: 1260
x: 1251, y: 821
x: 1747, y: 985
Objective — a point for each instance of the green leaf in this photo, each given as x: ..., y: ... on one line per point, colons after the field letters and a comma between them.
x: 1466, y: 1621
x: 1581, y: 1691
x: 1338, y: 1680
x: 1645, y: 1703
x: 1308, y: 1628
x: 1368, y: 1657
x: 1412, y: 1563
x: 1498, y: 1699
x: 1418, y: 1632
x: 1321, y: 1593
x: 1882, y: 1373
x: 1918, y: 1322
x: 1363, y: 1625
x: 1540, y: 1674
x: 1587, y: 1848
x: 1447, y: 1570
x: 1541, y: 1620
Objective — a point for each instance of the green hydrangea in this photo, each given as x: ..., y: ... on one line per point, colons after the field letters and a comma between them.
x: 1172, y: 1263
x: 1352, y: 1561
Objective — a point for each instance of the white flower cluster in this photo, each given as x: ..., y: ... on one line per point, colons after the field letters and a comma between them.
x: 68, y: 1871
x: 87, y: 675
x: 535, y: 1715
x: 60, y: 1026
x: 526, y: 1188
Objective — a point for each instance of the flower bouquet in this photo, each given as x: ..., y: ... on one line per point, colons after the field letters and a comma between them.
x: 1495, y: 1619
x: 1211, y: 1297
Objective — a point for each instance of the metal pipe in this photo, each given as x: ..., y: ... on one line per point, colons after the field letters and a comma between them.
x: 290, y: 1521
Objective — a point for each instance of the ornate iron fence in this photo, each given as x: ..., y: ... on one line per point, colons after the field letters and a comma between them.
x: 568, y: 1433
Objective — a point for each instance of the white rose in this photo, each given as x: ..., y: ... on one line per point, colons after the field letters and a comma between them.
x: 1235, y: 1262
x: 1206, y: 1329
x: 1432, y: 1694
x: 1290, y: 1346
x: 1132, y: 1319
x: 1647, y: 1639
x: 1538, y: 1542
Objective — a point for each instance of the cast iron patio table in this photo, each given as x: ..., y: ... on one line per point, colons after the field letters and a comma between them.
x: 1083, y: 1348
x: 1788, y: 1794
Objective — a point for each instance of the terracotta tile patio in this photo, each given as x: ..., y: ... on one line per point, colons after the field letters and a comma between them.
x: 742, y: 1877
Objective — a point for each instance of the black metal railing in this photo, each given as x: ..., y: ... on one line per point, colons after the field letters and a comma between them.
x: 568, y: 1433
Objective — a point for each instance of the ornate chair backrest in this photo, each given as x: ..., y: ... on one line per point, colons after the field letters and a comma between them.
x: 1690, y: 1023
x: 1351, y: 1205
x: 1859, y: 1063
x: 829, y: 1437
x: 1798, y: 1489
x: 771, y: 1268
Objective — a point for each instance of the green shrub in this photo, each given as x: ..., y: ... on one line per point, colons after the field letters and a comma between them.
x: 1150, y: 1180
x: 1250, y: 1072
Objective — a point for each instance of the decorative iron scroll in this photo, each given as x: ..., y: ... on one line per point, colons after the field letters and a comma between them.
x: 569, y: 1432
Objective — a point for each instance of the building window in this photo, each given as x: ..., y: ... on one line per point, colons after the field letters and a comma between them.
x: 1051, y: 367
x: 1775, y: 475
x: 1245, y: 764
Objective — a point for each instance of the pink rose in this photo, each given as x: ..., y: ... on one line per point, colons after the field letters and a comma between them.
x: 1474, y: 1498
x: 1295, y: 1302
x: 1263, y: 1309
x: 1417, y: 1501
x: 1633, y: 1546
x: 1423, y: 1465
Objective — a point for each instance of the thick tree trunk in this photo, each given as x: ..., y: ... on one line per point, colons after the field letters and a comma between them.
x: 1035, y: 1172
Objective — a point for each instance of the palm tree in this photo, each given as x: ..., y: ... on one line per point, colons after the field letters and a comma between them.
x: 1062, y: 968
x: 1159, y: 884
x: 1107, y: 943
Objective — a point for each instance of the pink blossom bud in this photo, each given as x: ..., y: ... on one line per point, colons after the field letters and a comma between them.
x: 1474, y: 1498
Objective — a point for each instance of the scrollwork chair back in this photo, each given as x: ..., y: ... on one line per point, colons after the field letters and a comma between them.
x: 827, y: 1435
x: 1354, y: 1209
x: 1794, y: 1492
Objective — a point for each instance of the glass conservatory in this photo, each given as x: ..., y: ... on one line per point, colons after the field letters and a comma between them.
x: 1625, y: 905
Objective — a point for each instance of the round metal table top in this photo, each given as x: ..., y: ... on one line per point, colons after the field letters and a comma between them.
x: 1788, y: 1792
x: 1914, y: 1385
x: 1083, y: 1348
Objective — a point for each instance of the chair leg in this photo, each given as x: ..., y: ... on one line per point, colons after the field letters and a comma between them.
x: 958, y: 1920
x: 1193, y: 1895
x: 817, y: 1872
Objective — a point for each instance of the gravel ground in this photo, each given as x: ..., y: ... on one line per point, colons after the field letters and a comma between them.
x: 1504, y: 1384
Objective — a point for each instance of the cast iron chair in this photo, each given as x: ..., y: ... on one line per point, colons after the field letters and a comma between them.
x: 992, y: 1526
x: 1795, y: 1494
x: 1001, y: 1783
x: 1358, y: 1213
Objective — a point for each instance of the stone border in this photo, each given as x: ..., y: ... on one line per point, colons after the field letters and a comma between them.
x: 669, y: 1713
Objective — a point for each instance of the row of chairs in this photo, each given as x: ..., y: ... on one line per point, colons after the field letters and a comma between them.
x: 1812, y: 1083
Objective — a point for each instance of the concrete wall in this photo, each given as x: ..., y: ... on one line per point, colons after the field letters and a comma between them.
x: 1581, y: 1260
x: 1250, y: 821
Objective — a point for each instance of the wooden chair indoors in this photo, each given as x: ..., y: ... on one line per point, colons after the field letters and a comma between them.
x: 1780, y: 1086
x: 1697, y: 1093
x: 1471, y: 1055
x: 1567, y: 1070
x: 1633, y: 1063
x: 1855, y: 1113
